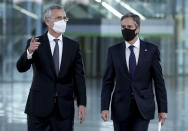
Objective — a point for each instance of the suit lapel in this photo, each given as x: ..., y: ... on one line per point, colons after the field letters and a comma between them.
x: 123, y: 59
x: 142, y: 55
x: 65, y: 56
x: 49, y: 54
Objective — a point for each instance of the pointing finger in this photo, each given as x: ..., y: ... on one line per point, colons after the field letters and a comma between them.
x: 36, y: 39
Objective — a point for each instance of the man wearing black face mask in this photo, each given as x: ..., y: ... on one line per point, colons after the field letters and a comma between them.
x: 133, y: 65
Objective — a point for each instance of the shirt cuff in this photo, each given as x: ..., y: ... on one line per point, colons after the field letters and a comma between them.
x: 29, y: 56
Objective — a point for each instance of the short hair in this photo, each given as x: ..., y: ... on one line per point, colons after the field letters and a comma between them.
x: 135, y: 17
x: 48, y: 11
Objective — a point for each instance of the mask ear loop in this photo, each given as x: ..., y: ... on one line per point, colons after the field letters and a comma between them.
x: 136, y: 29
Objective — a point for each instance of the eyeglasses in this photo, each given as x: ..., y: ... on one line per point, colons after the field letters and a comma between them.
x: 58, y: 18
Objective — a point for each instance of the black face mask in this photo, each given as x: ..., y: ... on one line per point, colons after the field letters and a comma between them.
x: 128, y: 34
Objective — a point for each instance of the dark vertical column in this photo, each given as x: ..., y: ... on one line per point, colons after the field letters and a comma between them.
x: 9, y: 42
x: 175, y: 63
x: 38, y: 11
x: 28, y: 27
x: 4, y: 23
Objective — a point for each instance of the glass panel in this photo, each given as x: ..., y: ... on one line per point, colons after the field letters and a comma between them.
x: 95, y: 25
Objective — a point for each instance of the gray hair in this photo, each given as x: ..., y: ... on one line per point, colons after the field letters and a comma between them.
x: 135, y: 17
x: 48, y: 11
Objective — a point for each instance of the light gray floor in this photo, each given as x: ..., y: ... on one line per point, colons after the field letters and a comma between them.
x: 13, y: 98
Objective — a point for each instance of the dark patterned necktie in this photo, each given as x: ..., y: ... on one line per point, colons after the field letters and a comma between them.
x: 56, y: 56
x: 132, y: 61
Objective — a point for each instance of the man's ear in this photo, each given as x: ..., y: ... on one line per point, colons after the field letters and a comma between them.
x: 138, y: 30
x: 47, y: 22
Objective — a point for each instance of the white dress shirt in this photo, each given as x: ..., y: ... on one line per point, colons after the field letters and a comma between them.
x: 52, y: 46
x: 136, y: 51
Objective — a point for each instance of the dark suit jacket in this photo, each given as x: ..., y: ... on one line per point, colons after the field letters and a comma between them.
x: 147, y: 70
x: 69, y: 82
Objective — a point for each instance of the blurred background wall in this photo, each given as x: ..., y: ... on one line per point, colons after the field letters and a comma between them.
x: 95, y: 24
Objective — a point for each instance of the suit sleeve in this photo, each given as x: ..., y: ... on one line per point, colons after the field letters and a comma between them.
x: 79, y: 78
x: 160, y: 90
x: 24, y: 64
x: 108, y: 83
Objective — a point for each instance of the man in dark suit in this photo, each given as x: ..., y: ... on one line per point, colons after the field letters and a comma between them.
x: 132, y: 66
x: 58, y: 76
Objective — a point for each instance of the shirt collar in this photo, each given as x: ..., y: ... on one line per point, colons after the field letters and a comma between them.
x: 51, y: 38
x: 136, y: 44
